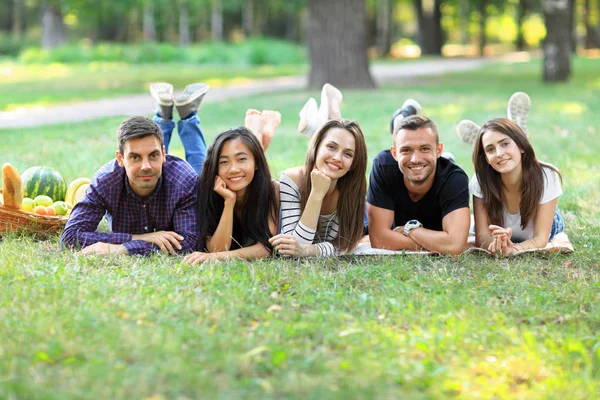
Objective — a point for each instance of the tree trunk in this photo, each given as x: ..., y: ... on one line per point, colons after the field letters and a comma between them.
x: 16, y: 18
x: 591, y: 35
x: 429, y: 17
x: 482, y: 25
x: 384, y: 26
x: 338, y: 46
x: 557, y: 45
x: 184, y: 23
x: 464, y: 21
x: 248, y: 17
x: 521, y: 13
x: 572, y: 26
x: 148, y: 26
x: 53, y: 27
x: 216, y: 21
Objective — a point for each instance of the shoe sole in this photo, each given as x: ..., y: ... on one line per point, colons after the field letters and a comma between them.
x: 518, y: 108
x: 467, y: 131
x: 178, y: 101
x: 159, y: 89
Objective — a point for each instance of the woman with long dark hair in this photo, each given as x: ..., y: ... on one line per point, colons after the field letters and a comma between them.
x: 323, y: 202
x: 237, y: 200
x: 515, y: 196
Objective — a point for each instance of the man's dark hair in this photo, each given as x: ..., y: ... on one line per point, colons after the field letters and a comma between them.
x: 137, y: 128
x: 414, y: 122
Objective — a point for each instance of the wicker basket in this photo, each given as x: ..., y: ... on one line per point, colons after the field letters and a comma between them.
x: 12, y: 220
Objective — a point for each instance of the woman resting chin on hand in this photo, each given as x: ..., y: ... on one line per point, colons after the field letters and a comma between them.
x: 237, y: 200
x: 323, y: 202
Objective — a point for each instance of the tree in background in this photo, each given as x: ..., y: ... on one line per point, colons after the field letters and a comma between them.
x: 557, y: 45
x: 429, y: 16
x: 53, y: 26
x: 338, y: 44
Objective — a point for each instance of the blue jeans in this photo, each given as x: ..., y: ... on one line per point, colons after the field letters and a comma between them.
x: 558, y: 224
x: 191, y: 137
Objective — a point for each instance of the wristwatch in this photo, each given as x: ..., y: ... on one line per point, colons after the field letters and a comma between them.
x: 410, y: 225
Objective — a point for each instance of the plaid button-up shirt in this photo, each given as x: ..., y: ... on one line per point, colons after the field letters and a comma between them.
x: 171, y: 207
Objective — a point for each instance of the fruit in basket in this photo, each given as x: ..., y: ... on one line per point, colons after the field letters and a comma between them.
x: 50, y: 211
x: 60, y: 207
x: 80, y: 193
x: 43, y: 181
x: 11, y: 187
x: 73, y: 187
x: 43, y: 200
x: 41, y: 210
x: 27, y: 204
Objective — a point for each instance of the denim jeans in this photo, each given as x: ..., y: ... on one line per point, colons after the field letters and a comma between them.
x: 558, y: 224
x: 191, y: 137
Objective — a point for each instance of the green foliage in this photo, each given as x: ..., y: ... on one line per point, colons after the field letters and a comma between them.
x: 10, y: 46
x: 249, y: 52
x: 373, y: 327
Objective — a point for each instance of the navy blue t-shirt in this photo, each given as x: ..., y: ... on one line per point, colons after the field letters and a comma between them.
x: 450, y: 191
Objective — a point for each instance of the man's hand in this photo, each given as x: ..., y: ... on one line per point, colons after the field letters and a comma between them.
x: 167, y: 241
x: 221, y: 188
x: 320, y: 183
x: 197, y: 258
x: 288, y: 245
x: 103, y: 249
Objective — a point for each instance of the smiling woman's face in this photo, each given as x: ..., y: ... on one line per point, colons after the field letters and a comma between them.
x: 335, y: 153
x: 236, y: 165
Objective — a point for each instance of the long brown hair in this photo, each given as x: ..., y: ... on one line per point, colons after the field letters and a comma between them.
x: 352, y: 186
x: 490, y: 180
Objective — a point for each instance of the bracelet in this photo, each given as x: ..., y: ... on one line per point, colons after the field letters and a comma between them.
x: 515, y: 249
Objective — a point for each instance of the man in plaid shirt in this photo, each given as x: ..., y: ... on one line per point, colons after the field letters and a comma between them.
x: 148, y: 198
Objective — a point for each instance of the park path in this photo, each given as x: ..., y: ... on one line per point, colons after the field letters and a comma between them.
x: 143, y: 104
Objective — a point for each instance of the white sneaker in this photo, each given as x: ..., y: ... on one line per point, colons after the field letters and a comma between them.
x: 467, y: 131
x: 519, y: 106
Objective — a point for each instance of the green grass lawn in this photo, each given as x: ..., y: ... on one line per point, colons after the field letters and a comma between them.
x: 38, y: 85
x: 371, y: 327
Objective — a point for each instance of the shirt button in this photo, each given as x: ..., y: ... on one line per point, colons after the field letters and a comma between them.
x: 146, y: 228
x: 144, y: 206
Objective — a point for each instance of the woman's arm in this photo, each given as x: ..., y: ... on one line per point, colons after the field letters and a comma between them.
x: 542, y: 226
x: 221, y: 238
x: 483, y: 234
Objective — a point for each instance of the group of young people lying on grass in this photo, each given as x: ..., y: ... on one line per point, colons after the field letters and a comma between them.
x: 223, y: 202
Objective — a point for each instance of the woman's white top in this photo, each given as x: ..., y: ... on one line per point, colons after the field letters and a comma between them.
x: 289, y: 223
x: 552, y: 189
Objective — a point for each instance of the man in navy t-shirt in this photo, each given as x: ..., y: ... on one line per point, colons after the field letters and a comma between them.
x: 425, y: 196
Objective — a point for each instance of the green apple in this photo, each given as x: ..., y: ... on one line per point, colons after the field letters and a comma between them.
x: 42, y: 200
x: 27, y: 204
x: 60, y: 207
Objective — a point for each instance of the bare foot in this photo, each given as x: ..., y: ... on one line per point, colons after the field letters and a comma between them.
x: 254, y: 122
x: 308, y: 117
x: 270, y: 121
x: 331, y: 98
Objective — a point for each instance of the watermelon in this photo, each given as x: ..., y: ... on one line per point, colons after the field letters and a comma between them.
x: 43, y: 181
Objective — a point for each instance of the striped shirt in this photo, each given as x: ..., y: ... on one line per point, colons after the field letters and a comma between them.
x: 170, y: 207
x: 289, y: 220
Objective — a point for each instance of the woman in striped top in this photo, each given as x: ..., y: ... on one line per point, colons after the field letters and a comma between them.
x: 323, y: 202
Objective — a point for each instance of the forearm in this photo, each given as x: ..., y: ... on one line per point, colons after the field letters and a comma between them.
x: 77, y: 238
x: 392, y: 240
x: 483, y: 240
x: 254, y: 252
x: 221, y: 239
x: 310, y: 215
x: 536, y: 242
x: 439, y: 241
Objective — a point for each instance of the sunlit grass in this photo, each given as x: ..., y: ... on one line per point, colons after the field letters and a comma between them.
x: 377, y: 327
x: 38, y: 85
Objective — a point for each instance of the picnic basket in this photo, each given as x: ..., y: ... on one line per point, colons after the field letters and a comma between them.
x: 12, y: 220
